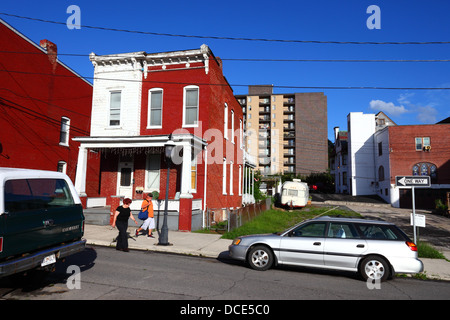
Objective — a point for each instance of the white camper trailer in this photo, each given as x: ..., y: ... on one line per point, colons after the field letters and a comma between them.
x: 294, y: 193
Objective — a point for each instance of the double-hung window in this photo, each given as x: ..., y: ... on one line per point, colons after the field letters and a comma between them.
x: 155, y: 103
x: 64, y: 132
x: 190, y: 109
x: 114, y: 108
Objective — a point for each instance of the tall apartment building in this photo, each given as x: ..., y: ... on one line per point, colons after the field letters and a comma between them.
x: 287, y: 133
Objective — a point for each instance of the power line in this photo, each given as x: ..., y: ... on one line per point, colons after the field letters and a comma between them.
x: 267, y: 60
x: 236, y: 85
x: 234, y: 38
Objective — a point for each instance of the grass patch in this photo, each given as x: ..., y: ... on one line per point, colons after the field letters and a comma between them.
x: 276, y: 220
x: 425, y: 250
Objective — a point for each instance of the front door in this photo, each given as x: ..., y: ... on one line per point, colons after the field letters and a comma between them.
x: 125, y: 179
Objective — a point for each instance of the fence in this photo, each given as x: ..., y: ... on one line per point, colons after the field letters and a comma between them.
x: 237, y: 217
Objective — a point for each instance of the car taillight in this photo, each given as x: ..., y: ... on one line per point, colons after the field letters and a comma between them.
x: 1, y: 244
x: 411, y: 245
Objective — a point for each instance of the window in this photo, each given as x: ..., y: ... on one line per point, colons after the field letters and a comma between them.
x: 315, y: 229
x: 425, y: 169
x: 62, y: 166
x: 342, y: 230
x: 232, y: 126
x: 191, y: 97
x: 422, y: 143
x: 381, y: 173
x: 114, y: 108
x: 194, y: 175
x: 231, y: 177
x: 225, y: 121
x: 32, y: 194
x: 224, y: 177
x: 152, y: 172
x: 380, y: 148
x: 155, y: 102
x: 240, y: 180
x: 241, y: 145
x: 64, y: 132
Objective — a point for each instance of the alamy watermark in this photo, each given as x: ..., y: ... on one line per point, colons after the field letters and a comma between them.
x: 74, y: 280
x: 74, y: 20
x: 374, y: 20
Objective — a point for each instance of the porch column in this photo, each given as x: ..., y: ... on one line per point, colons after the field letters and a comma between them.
x: 185, y: 217
x: 80, y: 176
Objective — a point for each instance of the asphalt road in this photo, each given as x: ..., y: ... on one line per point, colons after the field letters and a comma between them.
x: 107, y: 274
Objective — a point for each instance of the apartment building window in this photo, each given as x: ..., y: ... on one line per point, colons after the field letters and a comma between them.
x: 64, y: 132
x: 114, y: 108
x: 190, y: 109
x: 422, y: 143
x: 155, y: 103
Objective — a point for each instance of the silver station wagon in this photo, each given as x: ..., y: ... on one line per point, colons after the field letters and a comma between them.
x: 375, y: 249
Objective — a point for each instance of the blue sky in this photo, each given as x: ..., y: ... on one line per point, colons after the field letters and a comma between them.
x: 319, y: 20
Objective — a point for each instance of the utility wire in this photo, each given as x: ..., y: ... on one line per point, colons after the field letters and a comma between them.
x: 236, y: 85
x: 233, y: 38
x: 264, y: 60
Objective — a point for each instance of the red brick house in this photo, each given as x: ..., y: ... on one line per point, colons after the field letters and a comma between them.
x: 421, y: 150
x: 140, y: 100
x: 43, y: 104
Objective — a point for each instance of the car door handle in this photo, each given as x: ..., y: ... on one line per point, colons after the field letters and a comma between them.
x: 317, y: 243
x: 360, y: 246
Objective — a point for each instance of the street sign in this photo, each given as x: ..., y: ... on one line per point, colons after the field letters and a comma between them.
x: 419, y: 220
x: 412, y: 181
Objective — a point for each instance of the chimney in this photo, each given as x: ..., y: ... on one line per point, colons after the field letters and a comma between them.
x: 52, y: 51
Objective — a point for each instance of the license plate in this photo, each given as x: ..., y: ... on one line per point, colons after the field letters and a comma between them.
x: 48, y: 260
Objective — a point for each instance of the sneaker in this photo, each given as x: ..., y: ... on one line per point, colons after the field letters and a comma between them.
x: 150, y: 236
x: 137, y: 232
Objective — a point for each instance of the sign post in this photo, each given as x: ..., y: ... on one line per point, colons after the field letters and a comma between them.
x: 413, y: 182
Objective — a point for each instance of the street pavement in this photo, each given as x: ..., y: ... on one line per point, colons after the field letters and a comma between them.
x: 436, y: 232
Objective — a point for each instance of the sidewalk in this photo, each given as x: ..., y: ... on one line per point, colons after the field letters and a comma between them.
x: 188, y: 243
x: 210, y: 245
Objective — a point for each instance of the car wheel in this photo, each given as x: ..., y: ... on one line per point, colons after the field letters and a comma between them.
x: 375, y: 268
x: 260, y: 258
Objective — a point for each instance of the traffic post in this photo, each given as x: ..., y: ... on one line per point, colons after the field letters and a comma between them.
x: 413, y: 182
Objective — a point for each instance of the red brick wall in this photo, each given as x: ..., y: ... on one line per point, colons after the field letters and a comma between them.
x: 214, y: 93
x: 403, y: 155
x: 35, y: 93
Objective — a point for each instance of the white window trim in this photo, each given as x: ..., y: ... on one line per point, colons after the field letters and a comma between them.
x: 231, y: 178
x: 194, y: 162
x: 224, y: 177
x: 63, y: 165
x: 225, y: 121
x: 65, y: 143
x: 109, y: 109
x: 149, y: 126
x: 184, y: 106
x: 240, y: 180
x: 147, y: 169
x: 232, y: 126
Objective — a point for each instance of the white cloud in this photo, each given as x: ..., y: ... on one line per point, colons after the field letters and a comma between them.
x: 427, y: 114
x: 388, y: 107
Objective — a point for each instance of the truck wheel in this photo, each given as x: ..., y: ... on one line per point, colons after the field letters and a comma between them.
x: 260, y: 258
